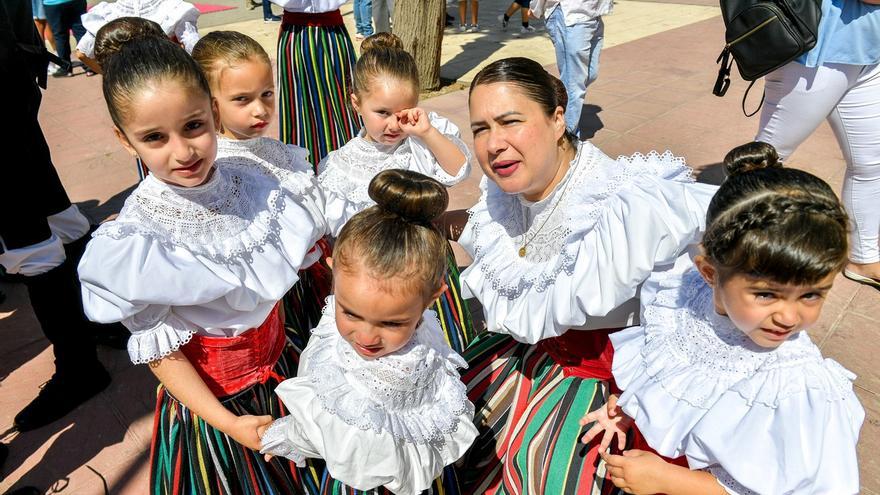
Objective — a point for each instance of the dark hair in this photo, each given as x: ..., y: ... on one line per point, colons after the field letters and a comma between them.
x: 773, y: 222
x: 382, y: 54
x: 535, y: 83
x: 116, y: 33
x: 396, y: 237
x: 227, y: 48
x: 142, y: 62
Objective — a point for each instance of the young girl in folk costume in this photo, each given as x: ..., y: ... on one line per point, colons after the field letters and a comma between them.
x: 177, y: 19
x: 397, y: 134
x: 720, y: 370
x: 194, y: 266
x: 561, y: 239
x: 315, y: 62
x: 240, y: 75
x: 378, y: 395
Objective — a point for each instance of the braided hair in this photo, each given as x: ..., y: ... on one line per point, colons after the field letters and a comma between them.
x: 772, y: 222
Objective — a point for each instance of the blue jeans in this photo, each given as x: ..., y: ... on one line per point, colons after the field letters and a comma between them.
x: 577, y: 56
x: 267, y: 9
x: 363, y: 17
x: 64, y: 18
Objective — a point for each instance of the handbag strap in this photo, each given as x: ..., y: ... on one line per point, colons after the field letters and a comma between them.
x: 746, y: 95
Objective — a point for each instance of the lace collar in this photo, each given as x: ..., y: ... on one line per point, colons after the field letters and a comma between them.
x: 696, y: 355
x: 226, y: 219
x: 500, y: 220
x: 349, y: 170
x: 140, y: 8
x: 415, y: 394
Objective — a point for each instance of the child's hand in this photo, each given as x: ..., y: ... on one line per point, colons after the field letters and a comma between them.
x: 248, y: 429
x: 414, y: 122
x: 610, y: 419
x: 636, y: 471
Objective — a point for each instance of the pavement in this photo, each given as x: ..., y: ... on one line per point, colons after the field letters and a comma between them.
x: 653, y: 92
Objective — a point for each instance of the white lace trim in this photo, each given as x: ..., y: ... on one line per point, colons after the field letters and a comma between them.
x: 153, y: 345
x: 166, y: 13
x: 696, y: 355
x: 275, y: 442
x: 234, y: 214
x: 415, y: 394
x: 727, y: 482
x: 500, y: 221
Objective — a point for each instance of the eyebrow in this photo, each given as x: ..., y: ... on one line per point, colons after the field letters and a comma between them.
x: 195, y: 114
x: 497, y: 117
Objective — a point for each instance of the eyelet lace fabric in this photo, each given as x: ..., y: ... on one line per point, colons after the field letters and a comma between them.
x: 501, y: 222
x: 415, y: 394
x: 347, y: 172
x: 727, y: 482
x: 274, y: 441
x: 234, y: 214
x: 696, y: 355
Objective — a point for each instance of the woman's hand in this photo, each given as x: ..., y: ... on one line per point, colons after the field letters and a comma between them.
x: 247, y: 430
x: 637, y: 471
x: 610, y: 419
x: 414, y: 122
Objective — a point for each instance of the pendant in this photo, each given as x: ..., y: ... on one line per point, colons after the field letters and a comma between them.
x: 522, y: 252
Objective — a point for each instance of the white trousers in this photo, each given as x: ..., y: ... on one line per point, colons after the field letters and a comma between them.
x: 798, y: 98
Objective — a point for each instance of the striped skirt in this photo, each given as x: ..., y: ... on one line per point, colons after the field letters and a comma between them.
x: 190, y: 456
x: 527, y: 412
x: 304, y: 302
x: 455, y: 318
x: 315, y: 66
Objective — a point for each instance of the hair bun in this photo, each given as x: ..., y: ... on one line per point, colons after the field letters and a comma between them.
x: 410, y: 195
x: 113, y: 36
x: 751, y: 156
x: 381, y: 40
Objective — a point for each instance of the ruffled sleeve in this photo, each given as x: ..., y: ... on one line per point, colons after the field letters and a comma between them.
x: 188, y: 36
x: 625, y: 218
x: 92, y: 21
x: 344, y: 187
x: 423, y: 161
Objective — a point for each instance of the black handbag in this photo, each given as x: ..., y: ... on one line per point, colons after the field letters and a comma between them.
x: 763, y: 35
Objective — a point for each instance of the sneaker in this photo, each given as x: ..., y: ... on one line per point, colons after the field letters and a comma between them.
x: 526, y: 30
x: 503, y: 22
x: 51, y: 68
x: 473, y: 28
x: 61, y: 72
x: 59, y: 396
x: 272, y: 18
x: 359, y: 37
x: 462, y: 28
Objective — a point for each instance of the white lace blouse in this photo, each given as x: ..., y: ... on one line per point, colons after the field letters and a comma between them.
x: 212, y: 259
x: 770, y: 421
x: 345, y: 174
x: 309, y: 6
x: 395, y: 421
x: 589, y: 244
x: 176, y: 17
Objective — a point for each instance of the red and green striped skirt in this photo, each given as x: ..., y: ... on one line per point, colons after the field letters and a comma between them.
x: 528, y: 404
x: 455, y: 317
x: 315, y: 66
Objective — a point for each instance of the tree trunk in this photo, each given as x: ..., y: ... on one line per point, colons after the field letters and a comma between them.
x: 419, y: 24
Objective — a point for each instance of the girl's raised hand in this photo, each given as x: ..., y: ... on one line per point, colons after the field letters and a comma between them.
x: 636, y: 471
x: 610, y: 419
x: 247, y: 430
x: 414, y: 122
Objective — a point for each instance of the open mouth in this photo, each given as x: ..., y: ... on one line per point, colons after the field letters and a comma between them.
x: 369, y: 350
x: 776, y: 334
x: 192, y: 168
x: 505, y: 168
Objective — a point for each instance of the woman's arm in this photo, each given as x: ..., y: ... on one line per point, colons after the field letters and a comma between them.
x: 184, y: 383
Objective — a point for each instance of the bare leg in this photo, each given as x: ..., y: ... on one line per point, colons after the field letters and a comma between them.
x: 475, y: 11
x: 462, y: 12
x: 45, y: 32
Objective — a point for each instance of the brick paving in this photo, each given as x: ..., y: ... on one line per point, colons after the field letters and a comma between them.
x: 653, y: 92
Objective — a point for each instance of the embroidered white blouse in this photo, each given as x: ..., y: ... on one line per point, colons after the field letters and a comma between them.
x: 769, y: 421
x: 309, y: 6
x: 345, y: 174
x: 212, y: 259
x: 616, y: 222
x: 395, y: 421
x: 176, y: 17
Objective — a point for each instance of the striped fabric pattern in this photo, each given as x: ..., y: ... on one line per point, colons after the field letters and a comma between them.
x: 455, y: 318
x: 188, y: 456
x: 305, y: 301
x: 315, y: 66
x: 527, y: 412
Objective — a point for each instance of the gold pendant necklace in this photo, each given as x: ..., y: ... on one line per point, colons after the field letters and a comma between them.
x: 522, y: 249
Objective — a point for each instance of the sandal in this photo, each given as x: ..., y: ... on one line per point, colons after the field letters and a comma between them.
x: 861, y: 279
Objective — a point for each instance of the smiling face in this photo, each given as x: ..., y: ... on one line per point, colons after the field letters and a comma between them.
x: 378, y: 108
x: 245, y: 94
x: 377, y: 317
x: 518, y: 146
x: 768, y: 312
x: 172, y: 128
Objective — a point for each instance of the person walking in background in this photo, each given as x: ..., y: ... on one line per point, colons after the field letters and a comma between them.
x: 383, y: 11
x: 523, y: 7
x: 363, y: 19
x: 64, y: 17
x: 838, y: 81
x: 268, y: 16
x: 43, y: 26
x: 577, y: 32
x: 462, y: 16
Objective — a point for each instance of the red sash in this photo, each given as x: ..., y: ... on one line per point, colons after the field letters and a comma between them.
x: 582, y: 353
x: 323, y: 19
x: 229, y: 365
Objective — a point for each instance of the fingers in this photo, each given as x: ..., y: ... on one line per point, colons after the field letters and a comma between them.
x: 606, y: 440
x: 589, y: 418
x: 621, y: 440
x: 591, y: 433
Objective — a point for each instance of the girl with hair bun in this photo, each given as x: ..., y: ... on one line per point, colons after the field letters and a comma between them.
x: 194, y: 266
x: 397, y: 134
x: 721, y: 370
x: 562, y: 238
x: 377, y: 395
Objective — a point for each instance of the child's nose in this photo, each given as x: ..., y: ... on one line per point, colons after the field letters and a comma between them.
x: 786, y: 316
